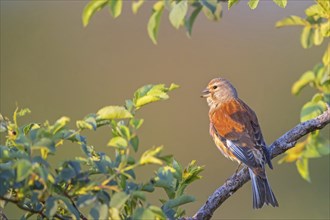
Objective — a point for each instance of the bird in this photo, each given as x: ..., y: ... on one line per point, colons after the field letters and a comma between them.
x: 236, y: 132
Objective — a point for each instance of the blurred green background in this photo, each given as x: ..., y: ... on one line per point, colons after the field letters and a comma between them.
x: 54, y: 66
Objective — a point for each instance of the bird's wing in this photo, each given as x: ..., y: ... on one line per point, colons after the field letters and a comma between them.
x: 257, y: 134
x: 232, y: 124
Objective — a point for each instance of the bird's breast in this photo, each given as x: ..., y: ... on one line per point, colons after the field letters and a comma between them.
x: 222, y: 146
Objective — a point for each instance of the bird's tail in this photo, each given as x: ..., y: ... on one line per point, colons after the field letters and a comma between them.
x: 262, y: 193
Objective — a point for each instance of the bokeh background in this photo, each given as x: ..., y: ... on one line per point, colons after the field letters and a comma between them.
x: 54, y: 66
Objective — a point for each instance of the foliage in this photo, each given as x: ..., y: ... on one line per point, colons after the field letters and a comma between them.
x: 95, y: 185
x: 316, y: 27
x: 182, y: 13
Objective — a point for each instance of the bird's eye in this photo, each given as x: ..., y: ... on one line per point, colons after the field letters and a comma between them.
x: 215, y: 87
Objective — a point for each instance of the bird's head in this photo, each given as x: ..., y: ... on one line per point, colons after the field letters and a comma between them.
x: 219, y: 90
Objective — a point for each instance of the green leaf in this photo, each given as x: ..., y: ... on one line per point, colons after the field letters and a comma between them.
x: 27, y: 128
x: 311, y: 110
x: 85, y: 200
x: 291, y: 21
x: 124, y: 131
x: 253, y: 4
x: 99, y: 211
x: 150, y: 213
x: 136, y: 5
x: 118, y: 142
x: 178, y: 13
x: 307, y: 37
x: 118, y: 200
x: 302, y: 166
x: 135, y: 142
x: 24, y: 169
x: 154, y: 21
x: 311, y: 151
x: 113, y: 112
x: 116, y: 7
x: 136, y: 123
x: 326, y: 56
x: 72, y: 210
x: 181, y: 200
x: 46, y: 143
x: 150, y: 156
x: 212, y: 9
x: 51, y: 207
x: 281, y: 3
x: 91, y: 8
x: 150, y: 93
x: 190, y: 22
x: 323, y: 146
x: 231, y: 3
x: 304, y: 80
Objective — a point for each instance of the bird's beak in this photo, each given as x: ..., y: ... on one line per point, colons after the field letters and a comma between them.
x: 205, y: 93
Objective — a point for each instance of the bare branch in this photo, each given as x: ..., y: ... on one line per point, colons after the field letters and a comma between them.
x: 281, y: 145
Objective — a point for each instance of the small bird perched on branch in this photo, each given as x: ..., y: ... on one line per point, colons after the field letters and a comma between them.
x: 236, y: 132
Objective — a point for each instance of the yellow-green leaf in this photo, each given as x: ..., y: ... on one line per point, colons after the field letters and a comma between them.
x: 304, y: 80
x: 113, y: 112
x: 325, y: 29
x: 311, y: 110
x: 173, y: 86
x: 24, y: 169
x: 118, y: 200
x: 253, y: 4
x: 83, y: 125
x: 291, y: 21
x: 59, y: 124
x: 325, y: 5
x: 118, y: 142
x: 318, y: 37
x: 294, y: 153
x: 136, y: 5
x: 178, y: 13
x: 116, y: 7
x: 150, y: 93
x: 302, y: 166
x: 150, y: 156
x: 281, y: 3
x: 91, y: 8
x: 307, y: 36
x: 326, y: 56
x: 231, y: 3
x: 154, y: 21
x: 315, y: 10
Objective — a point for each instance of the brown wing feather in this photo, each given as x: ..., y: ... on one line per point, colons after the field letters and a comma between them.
x: 232, y: 123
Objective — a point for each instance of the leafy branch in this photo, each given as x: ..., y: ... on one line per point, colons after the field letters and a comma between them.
x: 316, y: 28
x: 105, y: 185
x: 181, y: 13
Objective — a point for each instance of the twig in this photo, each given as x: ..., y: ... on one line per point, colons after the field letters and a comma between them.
x: 21, y: 206
x: 281, y: 145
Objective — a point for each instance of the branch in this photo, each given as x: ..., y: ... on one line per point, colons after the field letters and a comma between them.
x: 26, y: 208
x: 236, y: 181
